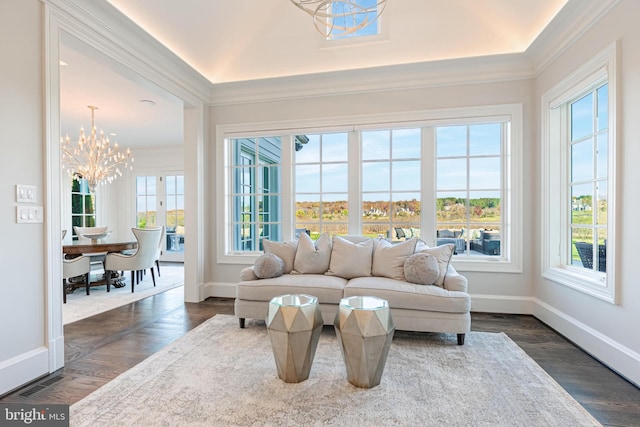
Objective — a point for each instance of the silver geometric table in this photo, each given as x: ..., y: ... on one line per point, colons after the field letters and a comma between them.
x: 294, y: 324
x: 365, y: 329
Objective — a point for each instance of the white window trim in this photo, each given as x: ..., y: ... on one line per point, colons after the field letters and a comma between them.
x: 555, y: 213
x: 512, y: 178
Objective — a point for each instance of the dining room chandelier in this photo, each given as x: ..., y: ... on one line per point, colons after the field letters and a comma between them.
x: 335, y: 19
x: 93, y: 158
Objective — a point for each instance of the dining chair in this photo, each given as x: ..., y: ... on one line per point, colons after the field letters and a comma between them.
x: 144, y: 257
x: 97, y: 258
x: 80, y: 266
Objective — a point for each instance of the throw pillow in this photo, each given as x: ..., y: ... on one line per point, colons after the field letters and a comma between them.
x: 349, y: 260
x: 388, y: 259
x: 268, y: 266
x: 443, y: 254
x: 285, y: 250
x: 421, y: 269
x: 312, y: 258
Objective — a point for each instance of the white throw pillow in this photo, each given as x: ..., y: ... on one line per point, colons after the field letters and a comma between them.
x: 349, y: 260
x: 285, y: 250
x: 268, y: 266
x: 443, y: 254
x: 312, y: 258
x: 389, y: 258
x: 422, y: 269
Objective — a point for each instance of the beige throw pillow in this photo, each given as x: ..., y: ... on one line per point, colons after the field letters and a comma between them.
x: 285, y: 250
x: 422, y: 269
x: 268, y: 266
x: 312, y: 258
x: 388, y: 258
x: 349, y: 260
x: 443, y: 254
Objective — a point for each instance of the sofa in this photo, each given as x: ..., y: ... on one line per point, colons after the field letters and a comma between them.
x: 425, y: 293
x: 488, y: 242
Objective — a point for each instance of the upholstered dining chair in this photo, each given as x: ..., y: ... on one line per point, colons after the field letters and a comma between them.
x: 97, y: 258
x: 80, y: 266
x: 143, y: 258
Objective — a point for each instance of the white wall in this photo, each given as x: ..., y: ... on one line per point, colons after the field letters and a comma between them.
x: 22, y: 254
x: 609, y: 332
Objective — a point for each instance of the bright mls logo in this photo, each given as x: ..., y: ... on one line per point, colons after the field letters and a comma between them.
x: 17, y: 414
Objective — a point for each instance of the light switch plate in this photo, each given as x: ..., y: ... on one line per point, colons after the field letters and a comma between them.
x: 25, y: 194
x: 29, y: 214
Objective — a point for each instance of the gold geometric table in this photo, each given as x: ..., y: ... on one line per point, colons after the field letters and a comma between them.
x: 294, y: 324
x: 365, y: 329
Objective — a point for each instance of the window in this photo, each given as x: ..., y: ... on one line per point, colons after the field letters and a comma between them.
x: 83, y: 212
x: 469, y: 187
x: 146, y: 197
x: 579, y: 154
x: 376, y: 179
x: 351, y: 19
x: 255, y: 199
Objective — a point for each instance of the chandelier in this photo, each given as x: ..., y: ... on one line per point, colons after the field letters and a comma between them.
x: 93, y: 158
x: 335, y: 19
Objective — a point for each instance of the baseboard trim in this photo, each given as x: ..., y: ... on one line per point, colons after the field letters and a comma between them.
x: 22, y: 369
x: 611, y: 353
x: 501, y: 304
x: 220, y: 290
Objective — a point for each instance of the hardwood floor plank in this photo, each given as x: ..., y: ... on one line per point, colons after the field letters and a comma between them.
x: 99, y: 348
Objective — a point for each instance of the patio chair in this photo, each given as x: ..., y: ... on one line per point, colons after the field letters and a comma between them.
x: 585, y: 250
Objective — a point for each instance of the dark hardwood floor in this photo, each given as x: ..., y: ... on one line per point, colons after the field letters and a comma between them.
x: 99, y: 348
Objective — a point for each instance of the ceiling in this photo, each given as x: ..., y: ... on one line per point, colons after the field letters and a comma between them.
x: 239, y: 40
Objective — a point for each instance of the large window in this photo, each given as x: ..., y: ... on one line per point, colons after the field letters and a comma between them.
x: 441, y: 179
x: 83, y: 212
x: 579, y: 189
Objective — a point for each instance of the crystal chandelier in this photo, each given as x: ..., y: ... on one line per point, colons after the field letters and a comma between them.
x: 93, y: 158
x: 340, y: 18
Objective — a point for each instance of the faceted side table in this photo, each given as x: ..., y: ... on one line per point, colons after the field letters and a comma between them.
x: 294, y: 324
x: 365, y: 329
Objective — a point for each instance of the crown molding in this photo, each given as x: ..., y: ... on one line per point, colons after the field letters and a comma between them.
x: 106, y: 29
x: 573, y: 20
x: 483, y: 69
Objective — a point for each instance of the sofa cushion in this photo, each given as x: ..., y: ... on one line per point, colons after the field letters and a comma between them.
x: 312, y: 258
x: 404, y: 295
x: 328, y: 289
x: 268, y: 266
x: 389, y: 258
x: 442, y: 253
x: 350, y: 259
x: 285, y: 250
x: 421, y: 269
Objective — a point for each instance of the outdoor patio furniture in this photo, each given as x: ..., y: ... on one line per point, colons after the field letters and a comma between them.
x: 585, y: 250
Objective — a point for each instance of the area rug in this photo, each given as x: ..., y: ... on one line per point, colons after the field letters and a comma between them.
x: 80, y: 305
x: 221, y: 375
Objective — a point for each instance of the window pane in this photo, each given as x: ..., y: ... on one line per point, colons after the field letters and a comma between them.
x: 376, y: 145
x: 451, y: 207
x: 582, y: 117
x: 601, y: 190
x: 335, y: 147
x: 484, y: 173
x: 485, y: 139
x: 307, y: 209
x: 406, y: 143
x: 451, y: 174
x: 582, y: 247
x: 335, y: 178
x: 307, y: 148
x: 603, y: 107
x: 602, y: 154
x: 581, y: 204
x: 582, y: 161
x: 406, y: 209
x: 406, y: 175
x: 170, y: 184
x: 485, y: 207
x: 451, y: 141
x: 308, y: 178
x: 269, y: 150
x: 375, y: 176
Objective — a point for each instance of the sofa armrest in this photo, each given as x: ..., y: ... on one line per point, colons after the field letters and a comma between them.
x: 453, y: 281
x: 247, y: 274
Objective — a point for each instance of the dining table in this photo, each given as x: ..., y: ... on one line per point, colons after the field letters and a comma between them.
x: 107, y: 245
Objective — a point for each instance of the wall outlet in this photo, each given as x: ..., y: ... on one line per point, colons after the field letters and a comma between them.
x: 29, y: 214
x: 25, y: 194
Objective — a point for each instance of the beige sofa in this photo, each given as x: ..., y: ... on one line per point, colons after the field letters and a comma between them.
x: 375, y: 267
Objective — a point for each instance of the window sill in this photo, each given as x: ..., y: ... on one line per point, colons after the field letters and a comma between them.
x: 593, y: 284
